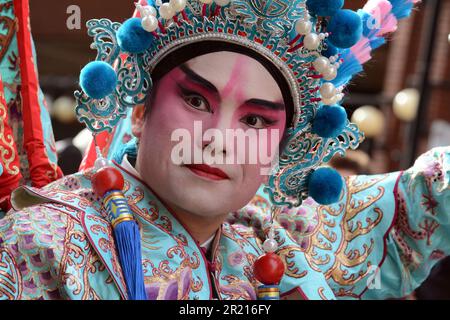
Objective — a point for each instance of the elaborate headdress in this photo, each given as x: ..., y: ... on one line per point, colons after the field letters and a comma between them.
x: 315, y: 44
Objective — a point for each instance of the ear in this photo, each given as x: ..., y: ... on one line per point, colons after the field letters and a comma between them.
x: 137, y: 120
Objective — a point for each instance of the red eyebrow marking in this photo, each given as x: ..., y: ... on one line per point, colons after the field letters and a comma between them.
x: 236, y: 74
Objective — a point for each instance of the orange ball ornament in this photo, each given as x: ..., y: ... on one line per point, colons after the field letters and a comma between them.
x: 107, y: 179
x: 269, y: 269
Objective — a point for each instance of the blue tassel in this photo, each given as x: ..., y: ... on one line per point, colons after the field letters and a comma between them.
x: 128, y: 243
x: 377, y: 42
x: 348, y: 69
x: 401, y: 8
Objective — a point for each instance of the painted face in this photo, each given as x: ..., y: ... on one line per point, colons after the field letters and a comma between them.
x: 207, y: 104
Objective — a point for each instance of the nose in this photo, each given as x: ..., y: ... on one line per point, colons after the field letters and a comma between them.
x: 214, y: 145
x: 216, y: 141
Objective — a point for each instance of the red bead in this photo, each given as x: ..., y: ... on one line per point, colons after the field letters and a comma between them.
x: 268, y: 269
x: 107, y: 179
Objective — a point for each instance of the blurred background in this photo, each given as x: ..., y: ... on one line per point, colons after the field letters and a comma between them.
x: 401, y: 102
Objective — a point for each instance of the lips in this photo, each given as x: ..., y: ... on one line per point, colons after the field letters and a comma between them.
x: 206, y: 171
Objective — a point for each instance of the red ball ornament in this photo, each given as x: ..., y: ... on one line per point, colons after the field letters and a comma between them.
x: 269, y: 269
x: 107, y: 179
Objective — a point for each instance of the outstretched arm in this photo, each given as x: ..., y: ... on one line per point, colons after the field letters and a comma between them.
x: 420, y: 235
x: 387, y: 231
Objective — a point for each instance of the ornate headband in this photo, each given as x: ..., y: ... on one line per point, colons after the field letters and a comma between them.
x: 317, y: 46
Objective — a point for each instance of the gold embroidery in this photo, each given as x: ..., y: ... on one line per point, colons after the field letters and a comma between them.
x: 10, y: 277
x: 7, y: 151
x: 324, y: 236
x: 292, y: 269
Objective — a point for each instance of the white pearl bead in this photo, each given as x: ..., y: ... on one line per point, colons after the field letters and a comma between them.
x: 330, y: 101
x: 311, y: 41
x: 206, y: 1
x: 321, y: 36
x: 303, y: 27
x: 328, y: 90
x: 150, y: 23
x: 166, y: 11
x: 149, y: 11
x: 178, y: 5
x: 270, y: 245
x: 101, y: 163
x: 330, y: 74
x: 321, y: 64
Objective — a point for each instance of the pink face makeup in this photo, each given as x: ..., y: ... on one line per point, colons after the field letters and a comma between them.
x: 232, y: 107
x: 222, y: 91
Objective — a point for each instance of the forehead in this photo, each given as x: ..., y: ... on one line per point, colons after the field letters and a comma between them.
x: 244, y: 73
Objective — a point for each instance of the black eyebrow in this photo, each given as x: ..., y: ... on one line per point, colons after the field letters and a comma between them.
x: 198, y: 79
x: 266, y: 104
x: 205, y: 83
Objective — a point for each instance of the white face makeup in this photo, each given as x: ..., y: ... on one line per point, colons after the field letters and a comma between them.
x: 221, y: 91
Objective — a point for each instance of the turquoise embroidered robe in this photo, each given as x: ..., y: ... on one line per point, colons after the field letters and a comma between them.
x: 379, y: 241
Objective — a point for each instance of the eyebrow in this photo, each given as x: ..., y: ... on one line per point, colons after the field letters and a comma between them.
x: 194, y: 77
x: 266, y: 104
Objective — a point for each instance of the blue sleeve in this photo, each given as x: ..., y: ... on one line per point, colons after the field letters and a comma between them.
x: 420, y: 235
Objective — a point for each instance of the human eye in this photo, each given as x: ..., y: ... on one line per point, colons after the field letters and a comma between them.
x: 257, y: 122
x: 198, y: 102
x: 195, y: 100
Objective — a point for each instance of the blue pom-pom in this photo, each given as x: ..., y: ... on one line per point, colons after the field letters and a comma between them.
x: 132, y: 38
x: 325, y: 186
x: 1, y: 169
x: 330, y: 121
x: 98, y: 79
x: 324, y: 8
x: 346, y: 29
x: 330, y: 51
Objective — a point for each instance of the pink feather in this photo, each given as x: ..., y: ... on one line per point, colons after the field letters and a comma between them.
x: 361, y: 51
x: 381, y: 10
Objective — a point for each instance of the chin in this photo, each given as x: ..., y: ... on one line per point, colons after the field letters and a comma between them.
x: 208, y: 200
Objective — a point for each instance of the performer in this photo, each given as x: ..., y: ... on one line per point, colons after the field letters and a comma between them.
x: 156, y: 223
